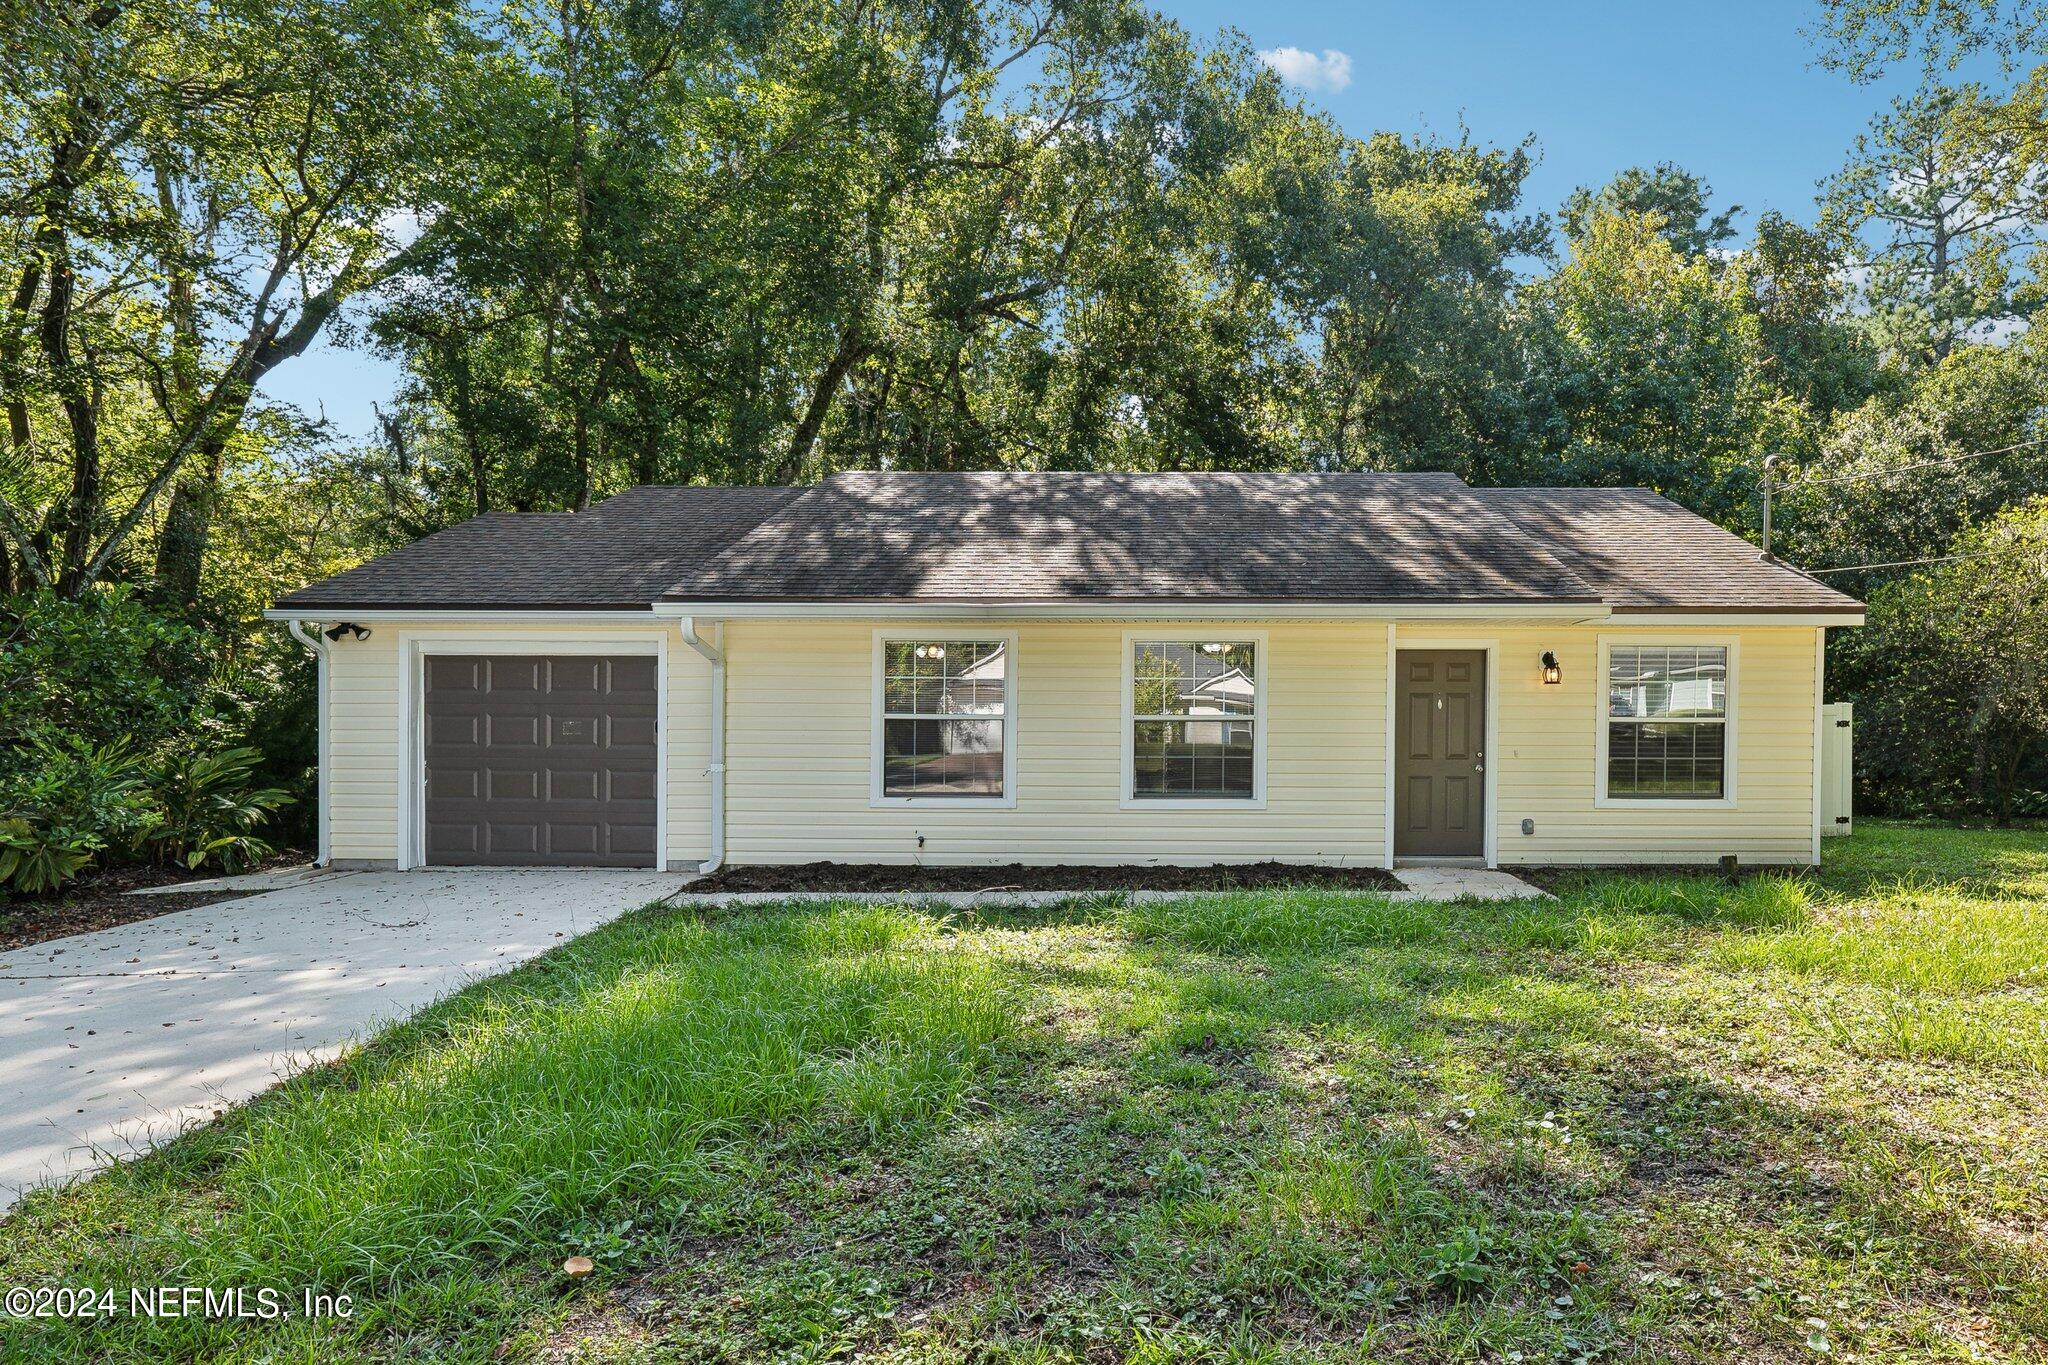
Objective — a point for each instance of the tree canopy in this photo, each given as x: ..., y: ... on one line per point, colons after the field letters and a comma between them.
x: 729, y: 241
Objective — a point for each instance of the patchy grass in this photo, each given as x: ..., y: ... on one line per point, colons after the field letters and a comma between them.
x: 1660, y: 1119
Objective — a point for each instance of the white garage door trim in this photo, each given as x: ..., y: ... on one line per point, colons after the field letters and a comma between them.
x: 414, y: 646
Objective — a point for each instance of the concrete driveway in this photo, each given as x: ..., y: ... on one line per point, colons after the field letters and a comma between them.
x: 112, y: 1042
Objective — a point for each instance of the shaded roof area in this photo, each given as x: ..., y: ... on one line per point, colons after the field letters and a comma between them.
x: 1020, y: 536
x: 1012, y: 536
x: 1643, y: 552
x: 621, y: 554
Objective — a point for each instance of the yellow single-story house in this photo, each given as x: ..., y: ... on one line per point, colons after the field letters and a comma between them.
x: 1048, y: 668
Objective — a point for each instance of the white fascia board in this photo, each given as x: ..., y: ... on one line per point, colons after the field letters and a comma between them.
x: 1736, y: 618
x: 1137, y: 611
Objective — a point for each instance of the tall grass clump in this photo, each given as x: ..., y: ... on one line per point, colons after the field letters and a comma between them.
x: 1914, y: 935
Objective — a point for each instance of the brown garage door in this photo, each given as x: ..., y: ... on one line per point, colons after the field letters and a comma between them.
x: 540, y: 760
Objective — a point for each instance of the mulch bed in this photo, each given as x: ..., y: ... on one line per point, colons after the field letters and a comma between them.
x: 99, y: 900
x: 829, y: 877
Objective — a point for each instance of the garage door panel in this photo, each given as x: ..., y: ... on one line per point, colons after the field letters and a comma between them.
x: 453, y: 729
x: 631, y: 732
x: 573, y: 731
x: 448, y: 839
x: 633, y: 843
x: 568, y: 678
x: 511, y: 784
x: 512, y: 837
x: 563, y: 786
x: 629, y: 786
x: 632, y: 677
x: 451, y: 674
x: 515, y: 677
x: 548, y: 760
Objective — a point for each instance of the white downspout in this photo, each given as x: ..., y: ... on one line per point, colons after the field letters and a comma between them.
x: 714, y: 655
x: 317, y: 646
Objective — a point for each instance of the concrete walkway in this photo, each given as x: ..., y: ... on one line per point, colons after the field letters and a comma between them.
x: 114, y: 1041
x: 1463, y: 883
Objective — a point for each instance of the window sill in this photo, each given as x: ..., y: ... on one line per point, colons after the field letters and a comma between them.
x: 942, y: 803
x: 1218, y: 803
x: 1663, y: 803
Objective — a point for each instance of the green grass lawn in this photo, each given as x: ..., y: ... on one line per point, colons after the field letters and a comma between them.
x: 1662, y: 1119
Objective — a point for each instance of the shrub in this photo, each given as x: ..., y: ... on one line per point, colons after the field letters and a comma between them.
x: 104, y: 669
x: 211, y: 807
x: 67, y: 802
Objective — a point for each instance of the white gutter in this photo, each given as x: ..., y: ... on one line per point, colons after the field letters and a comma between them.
x: 317, y: 646
x: 714, y: 656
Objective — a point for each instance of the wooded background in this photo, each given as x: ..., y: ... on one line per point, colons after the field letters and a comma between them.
x: 742, y: 241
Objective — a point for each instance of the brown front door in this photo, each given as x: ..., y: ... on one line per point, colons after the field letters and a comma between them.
x: 540, y: 760
x: 1439, y: 755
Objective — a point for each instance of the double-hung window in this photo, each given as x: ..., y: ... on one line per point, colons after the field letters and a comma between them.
x: 1194, y: 726
x: 1665, y: 732
x: 945, y: 714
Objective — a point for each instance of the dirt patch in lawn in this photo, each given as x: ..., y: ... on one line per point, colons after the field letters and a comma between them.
x: 1555, y: 879
x: 100, y: 900
x: 827, y: 877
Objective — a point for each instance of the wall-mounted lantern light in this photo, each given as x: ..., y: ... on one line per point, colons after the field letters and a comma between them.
x: 1552, y: 674
x: 348, y: 628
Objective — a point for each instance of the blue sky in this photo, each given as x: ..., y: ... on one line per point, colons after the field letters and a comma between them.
x: 1729, y: 91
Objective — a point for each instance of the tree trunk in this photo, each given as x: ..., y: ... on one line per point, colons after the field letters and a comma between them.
x: 86, y: 502
x: 188, y: 531
x: 806, y: 434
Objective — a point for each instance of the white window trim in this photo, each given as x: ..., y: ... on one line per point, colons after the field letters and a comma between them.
x: 959, y: 801
x: 1730, y: 745
x: 414, y: 646
x: 1260, y: 721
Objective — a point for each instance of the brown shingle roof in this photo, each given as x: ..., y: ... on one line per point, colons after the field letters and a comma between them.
x: 991, y: 538
x: 1643, y: 552
x: 1007, y: 537
x: 621, y: 554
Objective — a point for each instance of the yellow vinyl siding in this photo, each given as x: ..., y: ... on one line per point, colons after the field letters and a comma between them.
x: 363, y: 717
x: 800, y: 726
x: 1549, y: 737
x: 799, y: 745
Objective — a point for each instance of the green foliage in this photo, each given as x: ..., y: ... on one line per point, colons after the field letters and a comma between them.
x: 100, y: 669
x: 210, y: 807
x: 1950, y: 182
x: 648, y: 242
x: 64, y: 803
x: 116, y: 735
x: 1656, y: 365
x: 1674, y: 196
x: 1956, y: 662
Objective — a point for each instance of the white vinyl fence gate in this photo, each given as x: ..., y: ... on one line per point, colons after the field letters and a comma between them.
x: 1837, y: 766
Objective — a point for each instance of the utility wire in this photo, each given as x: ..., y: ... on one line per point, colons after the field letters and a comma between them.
x: 1935, y: 559
x: 1924, y: 464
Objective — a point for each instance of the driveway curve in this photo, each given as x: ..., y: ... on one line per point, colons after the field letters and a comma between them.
x: 115, y: 1041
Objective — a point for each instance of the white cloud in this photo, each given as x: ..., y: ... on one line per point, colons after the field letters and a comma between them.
x: 1330, y: 72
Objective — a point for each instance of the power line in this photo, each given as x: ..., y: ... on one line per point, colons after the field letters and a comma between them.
x: 1935, y: 559
x: 1904, y: 468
